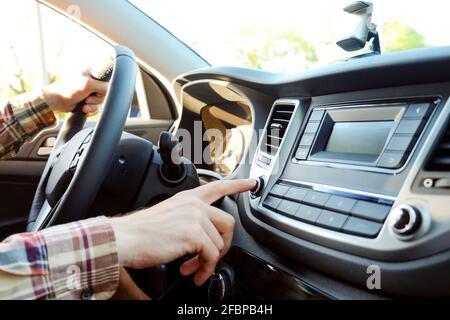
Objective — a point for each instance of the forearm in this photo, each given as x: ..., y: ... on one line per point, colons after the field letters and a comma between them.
x: 73, y: 261
x: 21, y: 119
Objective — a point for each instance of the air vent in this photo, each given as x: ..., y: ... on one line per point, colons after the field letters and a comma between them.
x: 440, y: 159
x: 276, y: 128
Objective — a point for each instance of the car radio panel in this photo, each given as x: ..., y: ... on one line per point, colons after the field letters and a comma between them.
x: 371, y: 136
x: 337, y: 176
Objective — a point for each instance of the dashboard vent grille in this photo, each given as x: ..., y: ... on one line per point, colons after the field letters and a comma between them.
x: 276, y: 128
x: 440, y: 158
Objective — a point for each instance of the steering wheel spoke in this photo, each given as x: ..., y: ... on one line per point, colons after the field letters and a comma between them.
x: 44, y: 217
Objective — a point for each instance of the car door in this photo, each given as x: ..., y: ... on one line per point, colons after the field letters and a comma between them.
x: 151, y: 111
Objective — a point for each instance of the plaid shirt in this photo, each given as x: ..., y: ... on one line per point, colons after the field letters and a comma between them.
x: 73, y: 261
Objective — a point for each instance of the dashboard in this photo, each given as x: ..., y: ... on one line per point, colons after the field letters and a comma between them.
x: 353, y: 164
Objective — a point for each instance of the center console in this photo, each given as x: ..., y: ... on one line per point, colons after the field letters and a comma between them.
x: 377, y: 138
x: 336, y: 179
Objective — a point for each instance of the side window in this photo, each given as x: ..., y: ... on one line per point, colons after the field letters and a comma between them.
x: 43, y: 46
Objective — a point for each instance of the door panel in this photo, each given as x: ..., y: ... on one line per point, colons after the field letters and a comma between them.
x: 19, y: 176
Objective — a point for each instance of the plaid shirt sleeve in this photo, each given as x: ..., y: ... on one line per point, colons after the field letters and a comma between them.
x: 73, y: 261
x: 21, y: 119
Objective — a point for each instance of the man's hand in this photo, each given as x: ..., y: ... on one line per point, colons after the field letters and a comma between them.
x: 184, y: 224
x: 63, y: 96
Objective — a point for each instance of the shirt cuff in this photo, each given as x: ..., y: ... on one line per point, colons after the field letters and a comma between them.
x: 83, y: 260
x: 32, y: 112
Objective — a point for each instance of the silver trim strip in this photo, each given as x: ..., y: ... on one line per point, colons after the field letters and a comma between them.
x: 321, y: 187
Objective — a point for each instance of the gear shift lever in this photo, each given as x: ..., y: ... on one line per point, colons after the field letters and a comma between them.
x: 172, y: 169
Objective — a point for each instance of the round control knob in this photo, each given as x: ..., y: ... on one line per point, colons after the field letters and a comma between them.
x: 219, y: 287
x: 257, y: 190
x: 405, y: 220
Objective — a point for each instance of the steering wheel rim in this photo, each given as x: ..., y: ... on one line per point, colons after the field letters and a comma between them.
x: 90, y: 172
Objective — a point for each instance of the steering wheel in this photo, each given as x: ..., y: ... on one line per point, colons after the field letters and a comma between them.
x: 81, y: 158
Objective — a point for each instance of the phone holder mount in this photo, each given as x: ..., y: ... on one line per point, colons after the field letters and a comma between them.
x: 365, y: 31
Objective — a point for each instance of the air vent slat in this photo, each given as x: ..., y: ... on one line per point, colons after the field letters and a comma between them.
x: 282, y: 120
x: 440, y: 159
x: 442, y: 162
x: 445, y: 145
x: 276, y: 128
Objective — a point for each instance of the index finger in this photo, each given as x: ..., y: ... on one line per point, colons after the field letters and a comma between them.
x: 213, y: 191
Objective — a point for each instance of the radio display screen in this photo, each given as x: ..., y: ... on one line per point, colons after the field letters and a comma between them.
x: 366, y: 138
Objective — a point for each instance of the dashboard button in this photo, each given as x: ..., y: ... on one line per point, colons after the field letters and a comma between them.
x: 418, y: 111
x: 257, y: 190
x: 312, y: 127
x: 279, y: 190
x: 316, y: 198
x: 362, y: 227
x: 308, y: 213
x: 288, y: 207
x: 316, y: 115
x: 307, y: 140
x: 296, y: 194
x: 407, y: 126
x: 392, y: 159
x: 369, y: 210
x: 332, y: 220
x: 264, y: 160
x: 302, y: 153
x: 401, y: 143
x: 341, y: 204
x: 272, y: 202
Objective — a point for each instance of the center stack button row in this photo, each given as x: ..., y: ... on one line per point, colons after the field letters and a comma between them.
x: 334, y: 212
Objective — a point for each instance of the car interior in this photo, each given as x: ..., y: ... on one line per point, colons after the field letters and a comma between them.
x: 352, y: 162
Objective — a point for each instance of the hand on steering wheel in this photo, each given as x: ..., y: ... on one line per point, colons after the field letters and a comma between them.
x: 81, y: 158
x: 63, y: 95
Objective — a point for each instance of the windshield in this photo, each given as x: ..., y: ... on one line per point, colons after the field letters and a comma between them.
x: 292, y: 35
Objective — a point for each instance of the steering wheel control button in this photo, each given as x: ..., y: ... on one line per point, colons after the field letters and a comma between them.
x: 81, y: 149
x: 331, y: 220
x: 288, y: 207
x: 316, y: 198
x: 88, y: 139
x: 360, y: 227
x: 308, y: 213
x: 74, y: 164
x: 296, y: 194
x: 418, y: 111
x: 302, y: 153
x: 257, y: 190
x: 371, y: 211
x: 271, y: 202
x: 405, y: 220
x: 340, y: 204
x: 392, y: 160
x: 279, y: 190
